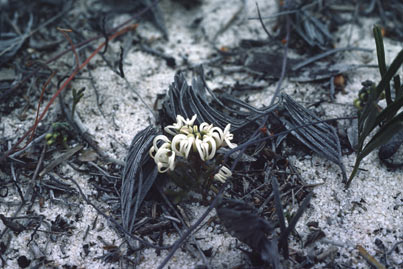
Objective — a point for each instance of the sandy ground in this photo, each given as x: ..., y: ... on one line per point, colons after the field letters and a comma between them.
x: 370, y: 209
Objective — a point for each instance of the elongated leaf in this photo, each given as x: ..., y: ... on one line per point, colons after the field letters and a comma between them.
x: 397, y: 62
x: 380, y: 51
x: 369, y: 110
x: 320, y: 137
x: 384, y: 135
x: 187, y: 100
x: 138, y: 176
x: 389, y: 111
x: 368, y: 123
x: 398, y: 87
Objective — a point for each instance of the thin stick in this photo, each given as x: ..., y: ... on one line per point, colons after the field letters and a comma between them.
x: 180, y: 241
x: 284, y: 65
x: 73, y: 48
x: 124, y: 30
x: 39, y: 106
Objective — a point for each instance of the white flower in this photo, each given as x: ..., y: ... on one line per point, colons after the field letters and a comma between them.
x: 155, y: 147
x: 223, y: 138
x: 204, y: 139
x: 205, y: 128
x: 165, y: 159
x: 227, y: 136
x: 206, y: 147
x: 223, y: 174
x: 188, y: 130
x: 189, y: 122
x: 180, y: 122
x: 181, y: 144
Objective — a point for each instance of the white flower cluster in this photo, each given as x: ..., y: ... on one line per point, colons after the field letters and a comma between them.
x: 204, y: 139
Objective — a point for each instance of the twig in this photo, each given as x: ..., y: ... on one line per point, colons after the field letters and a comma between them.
x: 73, y: 47
x: 185, y: 224
x: 120, y: 227
x: 84, y: 134
x: 279, y: 210
x: 325, y: 54
x: 230, y: 22
x: 38, y: 166
x: 122, y: 31
x: 284, y: 64
x: 258, y: 140
x: 82, y: 44
x: 180, y: 241
x: 61, y: 159
x: 261, y: 22
x: 370, y: 259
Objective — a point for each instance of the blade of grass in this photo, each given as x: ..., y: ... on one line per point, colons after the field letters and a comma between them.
x: 397, y: 62
x: 384, y: 134
x: 381, y: 138
x: 398, y: 87
x: 390, y: 111
x: 380, y: 51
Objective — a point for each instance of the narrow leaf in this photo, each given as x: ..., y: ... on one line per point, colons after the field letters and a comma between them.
x: 384, y: 135
x: 138, y: 177
x: 398, y: 87
x: 321, y: 137
x: 397, y: 62
x: 380, y: 51
x: 368, y: 123
x: 389, y: 111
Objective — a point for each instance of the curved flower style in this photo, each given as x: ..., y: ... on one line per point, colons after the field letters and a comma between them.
x: 223, y: 174
x: 180, y: 122
x: 227, y: 137
x: 163, y: 157
x: 223, y: 138
x: 204, y: 139
x: 181, y: 144
x: 155, y: 147
x: 206, y: 128
x: 206, y: 148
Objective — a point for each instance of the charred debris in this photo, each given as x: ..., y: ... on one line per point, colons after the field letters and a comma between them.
x: 262, y: 202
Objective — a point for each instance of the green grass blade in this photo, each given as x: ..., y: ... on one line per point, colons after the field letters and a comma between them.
x: 383, y: 135
x: 380, y: 51
x: 389, y: 111
x: 368, y: 122
x: 354, y: 172
x: 398, y: 87
x: 364, y: 114
x: 397, y: 62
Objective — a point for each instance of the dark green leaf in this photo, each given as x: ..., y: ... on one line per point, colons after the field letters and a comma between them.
x: 368, y: 123
x: 368, y: 108
x: 389, y: 111
x: 138, y: 176
x: 380, y: 51
x: 398, y: 87
x: 383, y: 135
x: 397, y: 62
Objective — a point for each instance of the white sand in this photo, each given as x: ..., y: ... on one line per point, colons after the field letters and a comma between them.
x: 344, y: 223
